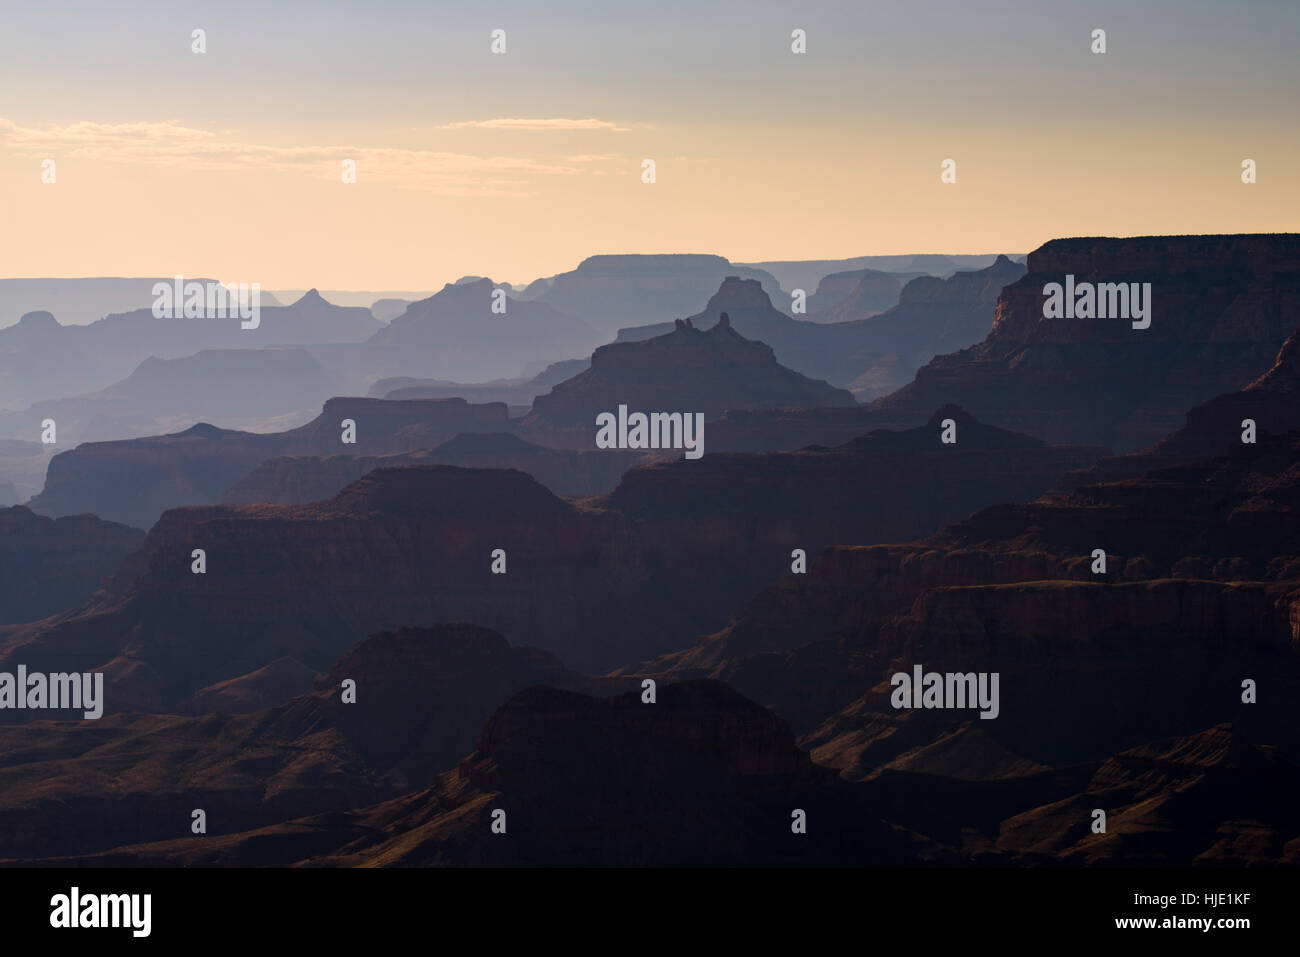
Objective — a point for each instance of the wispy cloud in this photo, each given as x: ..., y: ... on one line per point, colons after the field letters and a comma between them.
x: 169, y: 144
x: 557, y: 123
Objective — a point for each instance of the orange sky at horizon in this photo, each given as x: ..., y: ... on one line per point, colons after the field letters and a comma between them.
x: 520, y: 168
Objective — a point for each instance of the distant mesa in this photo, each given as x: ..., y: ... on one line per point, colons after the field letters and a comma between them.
x: 135, y: 480
x: 807, y: 274
x: 612, y: 291
x: 80, y: 301
x: 37, y: 320
x: 386, y: 310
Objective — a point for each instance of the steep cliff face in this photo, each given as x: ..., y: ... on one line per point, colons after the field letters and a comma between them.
x: 686, y: 370
x: 1221, y: 306
x: 1216, y: 427
x: 53, y: 566
x: 421, y: 697
x: 933, y: 317
x: 134, y: 480
x: 1085, y: 669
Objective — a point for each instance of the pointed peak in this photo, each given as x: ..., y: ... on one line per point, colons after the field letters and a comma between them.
x: 312, y: 297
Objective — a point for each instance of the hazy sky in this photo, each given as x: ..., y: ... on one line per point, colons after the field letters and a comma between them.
x: 228, y: 163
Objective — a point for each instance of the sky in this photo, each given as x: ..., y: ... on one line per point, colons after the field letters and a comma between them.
x: 229, y: 163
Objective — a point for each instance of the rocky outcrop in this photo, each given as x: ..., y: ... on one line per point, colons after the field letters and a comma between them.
x: 686, y: 370
x: 134, y: 480
x: 813, y: 349
x: 53, y: 566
